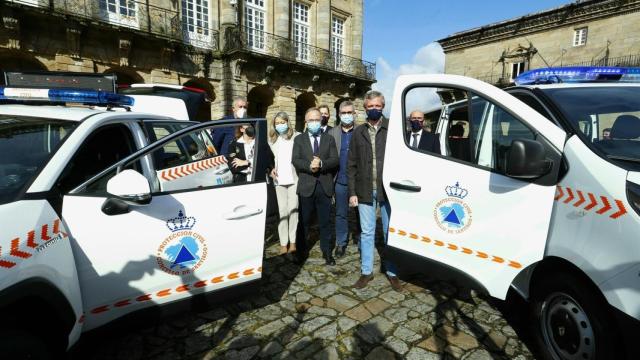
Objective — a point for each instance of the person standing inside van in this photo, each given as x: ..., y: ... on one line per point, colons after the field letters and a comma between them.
x: 285, y: 179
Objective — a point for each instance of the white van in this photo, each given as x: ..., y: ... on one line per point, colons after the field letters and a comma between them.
x: 531, y: 200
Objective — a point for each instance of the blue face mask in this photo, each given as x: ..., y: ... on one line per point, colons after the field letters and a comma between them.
x: 374, y: 114
x: 313, y: 127
x: 416, y: 126
x: 346, y: 119
x: 282, y: 128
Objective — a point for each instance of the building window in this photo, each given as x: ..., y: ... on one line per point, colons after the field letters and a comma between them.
x: 517, y: 69
x: 337, y: 41
x: 301, y: 30
x: 195, y: 21
x: 121, y: 12
x: 580, y: 36
x: 254, y: 15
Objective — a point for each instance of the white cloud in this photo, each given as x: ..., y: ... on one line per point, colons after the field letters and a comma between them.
x: 427, y: 60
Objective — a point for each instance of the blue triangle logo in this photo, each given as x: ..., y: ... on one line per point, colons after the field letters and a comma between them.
x: 452, y: 218
x: 184, y: 256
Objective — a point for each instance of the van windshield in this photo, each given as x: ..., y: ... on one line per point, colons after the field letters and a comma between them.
x: 607, y: 116
x: 26, y: 145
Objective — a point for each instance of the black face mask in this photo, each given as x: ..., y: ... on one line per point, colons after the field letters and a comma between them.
x: 324, y: 120
x: 250, y: 131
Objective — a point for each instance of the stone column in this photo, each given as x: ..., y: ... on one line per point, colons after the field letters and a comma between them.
x: 323, y: 24
x: 356, y: 29
x: 282, y: 16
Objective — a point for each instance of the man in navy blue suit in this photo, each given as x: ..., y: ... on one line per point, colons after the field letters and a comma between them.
x: 418, y: 137
x: 223, y: 136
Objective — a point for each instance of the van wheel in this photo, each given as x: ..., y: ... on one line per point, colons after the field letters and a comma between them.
x: 20, y: 344
x: 570, y: 319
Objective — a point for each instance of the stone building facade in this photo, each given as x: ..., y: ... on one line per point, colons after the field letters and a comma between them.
x: 587, y: 32
x: 282, y: 54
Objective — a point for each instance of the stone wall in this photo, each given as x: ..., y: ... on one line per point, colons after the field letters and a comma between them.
x: 615, y: 36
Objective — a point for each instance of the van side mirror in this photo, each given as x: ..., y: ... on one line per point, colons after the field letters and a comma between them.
x: 526, y: 160
x: 128, y: 187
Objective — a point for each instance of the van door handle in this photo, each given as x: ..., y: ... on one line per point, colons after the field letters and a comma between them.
x: 404, y: 186
x: 241, y: 212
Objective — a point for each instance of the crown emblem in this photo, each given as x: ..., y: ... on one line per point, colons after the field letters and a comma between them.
x: 456, y: 191
x: 181, y: 222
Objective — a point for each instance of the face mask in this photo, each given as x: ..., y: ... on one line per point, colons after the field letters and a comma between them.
x: 250, y: 131
x: 374, y: 114
x: 346, y: 119
x: 282, y: 128
x: 313, y: 127
x: 416, y: 126
x: 241, y: 113
x: 325, y: 120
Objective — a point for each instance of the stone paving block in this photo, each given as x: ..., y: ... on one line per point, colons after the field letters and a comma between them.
x: 270, y: 349
x: 328, y: 332
x: 346, y: 323
x: 328, y: 353
x: 419, y: 326
x: 270, y: 328
x: 392, y: 297
x: 397, y: 315
x: 313, y: 324
x: 359, y: 313
x: 244, y: 354
x: 433, y: 344
x: 322, y: 311
x: 317, y: 302
x: 382, y: 324
x: 341, y: 302
x: 421, y: 354
x: 479, y: 354
x: 326, y: 290
x: 380, y: 353
x: 396, y: 345
x: 407, y: 335
x: 457, y: 337
x: 376, y: 306
x: 303, y: 297
x: 495, y: 341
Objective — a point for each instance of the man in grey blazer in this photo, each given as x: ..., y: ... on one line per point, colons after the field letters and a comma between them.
x: 316, y: 160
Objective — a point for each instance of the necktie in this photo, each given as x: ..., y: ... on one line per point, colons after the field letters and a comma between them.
x: 415, y: 141
x: 315, y: 145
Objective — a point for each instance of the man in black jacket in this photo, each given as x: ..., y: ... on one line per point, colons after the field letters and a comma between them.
x: 365, y: 165
x: 315, y: 159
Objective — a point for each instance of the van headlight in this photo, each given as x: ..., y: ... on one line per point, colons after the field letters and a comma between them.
x: 633, y: 195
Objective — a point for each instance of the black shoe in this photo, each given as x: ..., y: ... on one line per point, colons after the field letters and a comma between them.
x: 329, y: 260
x: 340, y: 250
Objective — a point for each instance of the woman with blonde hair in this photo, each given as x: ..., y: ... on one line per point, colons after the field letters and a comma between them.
x: 285, y: 179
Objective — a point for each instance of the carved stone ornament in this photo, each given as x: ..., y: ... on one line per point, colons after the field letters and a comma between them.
x: 124, y: 51
x: 12, y: 28
x: 74, y: 33
x: 166, y: 53
x: 236, y: 67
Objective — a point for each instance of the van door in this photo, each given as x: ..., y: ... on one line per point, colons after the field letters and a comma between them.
x: 466, y: 207
x: 198, y: 237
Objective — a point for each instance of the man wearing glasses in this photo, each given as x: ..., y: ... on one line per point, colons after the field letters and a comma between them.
x: 418, y: 137
x: 342, y: 136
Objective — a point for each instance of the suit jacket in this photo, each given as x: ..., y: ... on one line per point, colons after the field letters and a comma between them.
x: 222, y: 137
x: 428, y: 142
x: 360, y: 164
x: 302, y: 157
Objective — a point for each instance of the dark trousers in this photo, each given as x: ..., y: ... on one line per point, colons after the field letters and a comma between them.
x: 342, y: 216
x: 321, y: 203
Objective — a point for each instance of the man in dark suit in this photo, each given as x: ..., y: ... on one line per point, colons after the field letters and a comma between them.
x: 315, y: 159
x: 223, y: 136
x: 418, y: 137
x: 325, y: 115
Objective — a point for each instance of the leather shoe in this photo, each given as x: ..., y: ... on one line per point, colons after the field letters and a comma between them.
x: 329, y: 260
x: 395, y: 283
x: 340, y: 250
x: 363, y: 281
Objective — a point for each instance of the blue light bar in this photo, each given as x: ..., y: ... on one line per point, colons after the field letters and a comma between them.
x: 92, y: 97
x: 578, y: 74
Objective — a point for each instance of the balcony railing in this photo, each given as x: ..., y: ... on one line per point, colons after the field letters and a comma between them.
x: 262, y: 42
x: 135, y: 15
x: 625, y: 61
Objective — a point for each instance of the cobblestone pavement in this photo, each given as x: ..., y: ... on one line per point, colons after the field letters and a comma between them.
x: 312, y: 312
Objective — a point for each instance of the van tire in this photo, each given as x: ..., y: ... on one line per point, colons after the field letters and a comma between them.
x: 570, y: 317
x: 19, y: 344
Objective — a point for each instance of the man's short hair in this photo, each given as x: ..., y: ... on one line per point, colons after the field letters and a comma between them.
x: 416, y: 111
x: 324, y: 106
x: 372, y: 94
x: 346, y: 103
x: 311, y: 109
x: 238, y: 98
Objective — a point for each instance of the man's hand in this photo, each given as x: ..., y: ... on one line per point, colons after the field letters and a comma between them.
x: 353, y: 201
x: 315, y: 164
x: 274, y: 174
x: 239, y: 162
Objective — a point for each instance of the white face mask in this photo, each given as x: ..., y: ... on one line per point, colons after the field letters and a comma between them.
x: 241, y: 113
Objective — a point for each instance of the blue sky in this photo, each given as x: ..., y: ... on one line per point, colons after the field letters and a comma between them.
x: 399, y: 35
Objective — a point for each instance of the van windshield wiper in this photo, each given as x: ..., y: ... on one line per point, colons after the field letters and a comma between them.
x: 624, y: 158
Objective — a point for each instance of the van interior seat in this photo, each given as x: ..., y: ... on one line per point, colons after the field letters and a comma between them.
x: 626, y: 127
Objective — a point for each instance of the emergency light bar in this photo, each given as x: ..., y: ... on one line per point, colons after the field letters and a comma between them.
x: 577, y: 74
x: 61, y: 80
x: 92, y: 97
